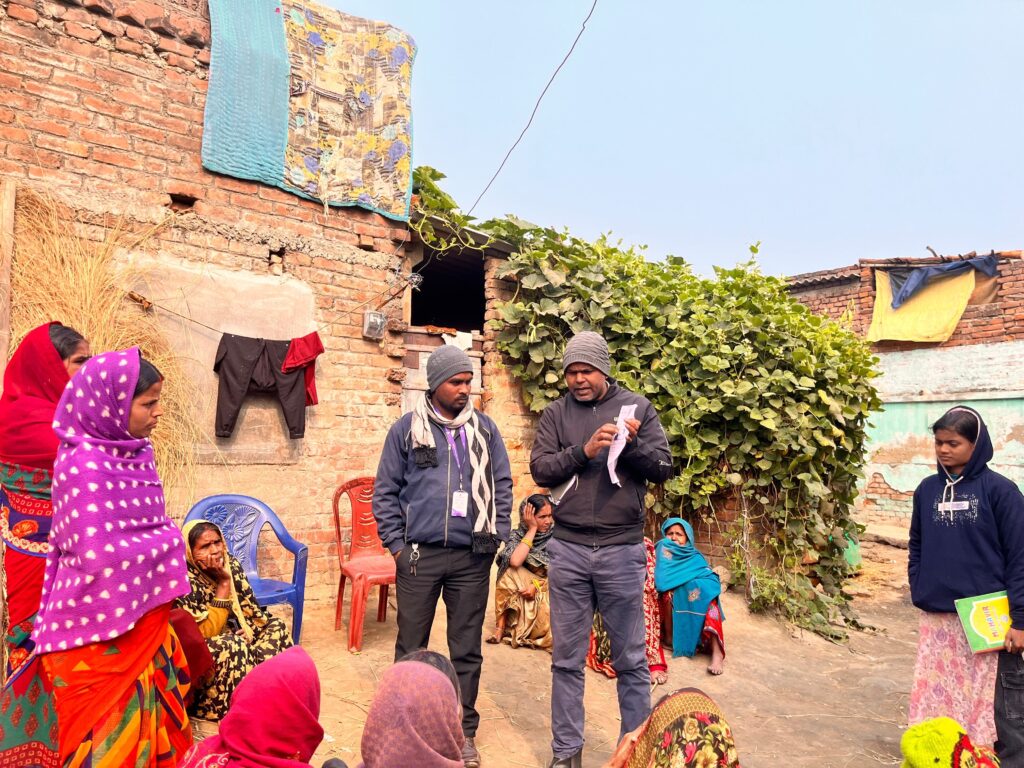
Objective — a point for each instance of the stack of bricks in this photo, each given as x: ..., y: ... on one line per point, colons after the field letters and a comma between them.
x: 504, y: 398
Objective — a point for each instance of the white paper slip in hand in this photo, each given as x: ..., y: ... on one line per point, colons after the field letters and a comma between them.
x: 619, y: 442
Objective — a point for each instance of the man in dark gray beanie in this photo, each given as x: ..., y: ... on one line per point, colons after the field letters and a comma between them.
x: 597, y: 556
x: 443, y: 501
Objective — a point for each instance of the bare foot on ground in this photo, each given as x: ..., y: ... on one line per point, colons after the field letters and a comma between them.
x: 717, y: 665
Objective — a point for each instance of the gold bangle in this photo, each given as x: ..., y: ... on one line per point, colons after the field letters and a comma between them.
x: 527, y: 542
x: 219, y: 602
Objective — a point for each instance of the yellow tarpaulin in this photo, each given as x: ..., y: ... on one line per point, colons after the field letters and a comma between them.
x: 931, y: 314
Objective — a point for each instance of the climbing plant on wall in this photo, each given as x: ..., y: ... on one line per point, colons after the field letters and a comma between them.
x: 760, y: 398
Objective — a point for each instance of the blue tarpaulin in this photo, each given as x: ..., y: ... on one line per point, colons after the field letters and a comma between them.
x: 906, y: 282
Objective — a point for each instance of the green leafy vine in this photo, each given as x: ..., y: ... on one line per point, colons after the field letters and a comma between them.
x: 763, y: 402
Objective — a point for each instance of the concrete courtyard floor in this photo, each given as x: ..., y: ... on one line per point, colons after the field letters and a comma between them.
x: 793, y: 699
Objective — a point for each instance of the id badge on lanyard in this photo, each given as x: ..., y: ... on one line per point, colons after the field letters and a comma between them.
x: 460, y: 498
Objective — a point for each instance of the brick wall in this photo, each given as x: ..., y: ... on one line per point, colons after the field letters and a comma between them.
x: 836, y: 292
x: 978, y: 365
x: 102, y: 107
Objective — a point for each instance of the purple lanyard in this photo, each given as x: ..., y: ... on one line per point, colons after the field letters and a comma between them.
x: 451, y: 444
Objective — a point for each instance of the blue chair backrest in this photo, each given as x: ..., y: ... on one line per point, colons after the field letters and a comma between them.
x: 240, y: 519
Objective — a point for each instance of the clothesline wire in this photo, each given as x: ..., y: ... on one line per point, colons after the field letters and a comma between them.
x: 536, y: 106
x: 147, y: 304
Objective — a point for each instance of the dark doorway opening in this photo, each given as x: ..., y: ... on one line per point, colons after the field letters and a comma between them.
x: 452, y: 292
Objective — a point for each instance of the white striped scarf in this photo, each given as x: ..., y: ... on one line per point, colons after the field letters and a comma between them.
x: 481, y: 479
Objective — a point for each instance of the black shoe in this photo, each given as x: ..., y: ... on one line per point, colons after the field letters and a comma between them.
x: 470, y: 756
x: 575, y: 761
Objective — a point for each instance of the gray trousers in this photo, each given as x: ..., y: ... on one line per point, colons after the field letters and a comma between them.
x: 1009, y: 710
x: 611, y: 579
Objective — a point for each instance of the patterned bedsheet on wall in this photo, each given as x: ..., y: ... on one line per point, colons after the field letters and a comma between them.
x: 311, y: 100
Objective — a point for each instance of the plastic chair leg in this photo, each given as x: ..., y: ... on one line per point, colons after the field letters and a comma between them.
x: 382, y: 603
x: 338, y: 604
x: 360, y: 588
x: 296, y: 619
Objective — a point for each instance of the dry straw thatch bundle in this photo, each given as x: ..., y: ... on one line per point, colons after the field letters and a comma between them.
x: 57, y: 274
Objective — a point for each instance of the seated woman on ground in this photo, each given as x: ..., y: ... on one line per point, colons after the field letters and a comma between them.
x: 239, y: 633
x: 599, y: 655
x: 415, y: 718
x: 273, y: 720
x: 686, y: 729
x: 521, y: 606
x: 696, y: 611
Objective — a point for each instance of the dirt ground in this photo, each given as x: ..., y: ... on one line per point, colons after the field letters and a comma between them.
x: 793, y: 699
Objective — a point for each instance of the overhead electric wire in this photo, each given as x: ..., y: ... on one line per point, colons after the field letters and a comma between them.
x: 536, y: 106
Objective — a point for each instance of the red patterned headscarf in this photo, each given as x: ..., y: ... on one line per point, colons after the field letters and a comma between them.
x: 33, y: 383
x: 272, y: 721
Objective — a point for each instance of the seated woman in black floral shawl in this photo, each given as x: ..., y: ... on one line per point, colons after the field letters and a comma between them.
x: 521, y: 606
x: 239, y: 633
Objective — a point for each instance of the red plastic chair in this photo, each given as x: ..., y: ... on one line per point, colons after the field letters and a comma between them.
x: 368, y: 563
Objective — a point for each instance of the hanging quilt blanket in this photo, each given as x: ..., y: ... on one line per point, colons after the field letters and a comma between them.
x: 311, y: 100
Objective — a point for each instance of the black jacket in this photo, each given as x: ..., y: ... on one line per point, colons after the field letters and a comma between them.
x: 593, y: 510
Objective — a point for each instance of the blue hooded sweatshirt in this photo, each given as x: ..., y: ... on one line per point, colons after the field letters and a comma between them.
x: 967, y: 535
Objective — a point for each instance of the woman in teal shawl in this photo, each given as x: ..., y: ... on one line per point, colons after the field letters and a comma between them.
x: 696, y: 611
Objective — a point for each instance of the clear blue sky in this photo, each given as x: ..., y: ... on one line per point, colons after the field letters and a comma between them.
x: 829, y: 130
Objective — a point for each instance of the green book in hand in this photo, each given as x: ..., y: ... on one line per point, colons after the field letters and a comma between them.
x: 986, y: 620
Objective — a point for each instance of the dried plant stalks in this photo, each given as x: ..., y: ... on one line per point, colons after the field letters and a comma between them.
x: 59, y: 274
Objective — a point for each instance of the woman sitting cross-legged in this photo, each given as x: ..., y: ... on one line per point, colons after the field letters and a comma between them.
x: 239, y: 633
x: 696, y: 611
x: 521, y: 606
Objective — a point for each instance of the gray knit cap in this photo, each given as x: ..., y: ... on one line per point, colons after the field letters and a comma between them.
x: 444, y: 362
x: 587, y: 347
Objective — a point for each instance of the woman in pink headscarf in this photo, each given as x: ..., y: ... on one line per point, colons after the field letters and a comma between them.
x: 272, y: 721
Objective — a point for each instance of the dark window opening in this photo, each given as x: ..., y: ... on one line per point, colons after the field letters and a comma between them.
x: 452, y: 293
x: 180, y: 202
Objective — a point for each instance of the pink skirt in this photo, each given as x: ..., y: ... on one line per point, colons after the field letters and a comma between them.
x: 950, y: 681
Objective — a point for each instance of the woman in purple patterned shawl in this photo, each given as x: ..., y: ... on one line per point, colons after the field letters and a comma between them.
x: 415, y: 718
x: 116, y: 562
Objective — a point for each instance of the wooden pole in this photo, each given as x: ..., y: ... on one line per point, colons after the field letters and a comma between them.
x: 7, y: 194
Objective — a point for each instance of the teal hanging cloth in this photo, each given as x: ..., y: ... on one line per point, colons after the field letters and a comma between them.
x: 683, y: 571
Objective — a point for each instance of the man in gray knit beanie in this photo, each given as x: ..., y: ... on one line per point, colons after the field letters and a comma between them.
x: 596, y: 552
x: 587, y: 347
x: 442, y: 500
x: 444, y: 362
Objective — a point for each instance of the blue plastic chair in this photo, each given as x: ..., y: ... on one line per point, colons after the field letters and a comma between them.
x: 240, y: 519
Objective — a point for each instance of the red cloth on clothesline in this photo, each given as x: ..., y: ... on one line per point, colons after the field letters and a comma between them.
x: 302, y: 353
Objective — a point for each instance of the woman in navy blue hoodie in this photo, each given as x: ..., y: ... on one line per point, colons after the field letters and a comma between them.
x: 967, y: 539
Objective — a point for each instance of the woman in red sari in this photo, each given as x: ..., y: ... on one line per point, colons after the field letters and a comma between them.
x: 33, y: 383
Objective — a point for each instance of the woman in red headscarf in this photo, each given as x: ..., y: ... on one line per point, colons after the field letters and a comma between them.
x: 273, y: 721
x: 34, y: 381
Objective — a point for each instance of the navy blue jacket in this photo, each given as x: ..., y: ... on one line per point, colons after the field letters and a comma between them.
x: 971, y: 547
x: 413, y: 504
